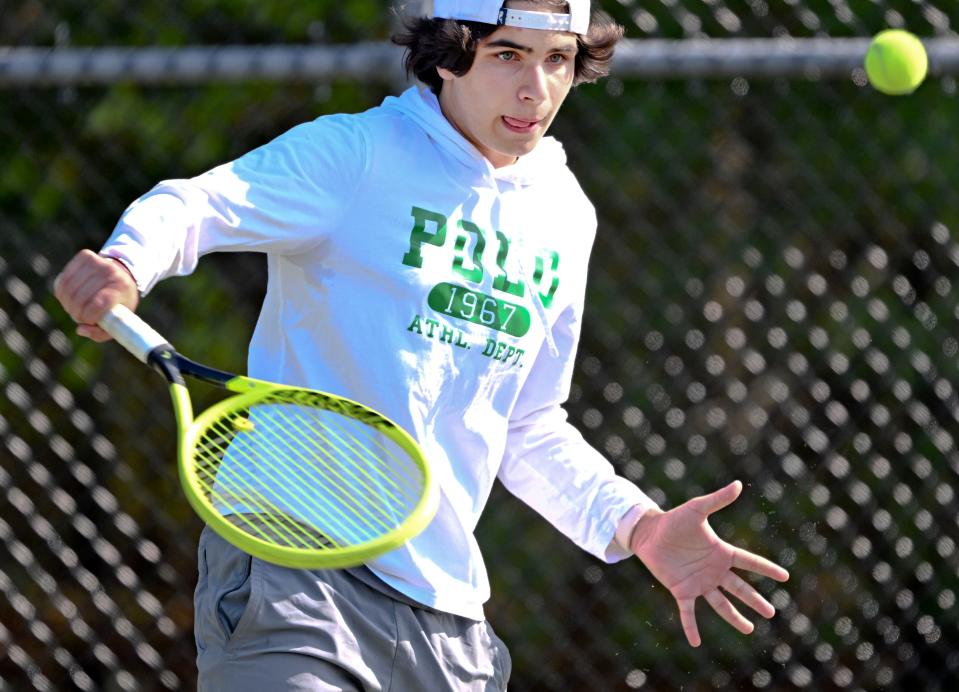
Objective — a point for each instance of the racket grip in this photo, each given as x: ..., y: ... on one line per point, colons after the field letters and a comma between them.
x: 131, y: 332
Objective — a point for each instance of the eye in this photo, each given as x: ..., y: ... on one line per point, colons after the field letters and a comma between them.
x: 507, y: 55
x: 557, y: 58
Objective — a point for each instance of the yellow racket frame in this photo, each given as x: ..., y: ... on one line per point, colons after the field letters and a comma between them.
x: 251, y: 392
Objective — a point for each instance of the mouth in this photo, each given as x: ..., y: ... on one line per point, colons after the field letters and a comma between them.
x: 519, y: 125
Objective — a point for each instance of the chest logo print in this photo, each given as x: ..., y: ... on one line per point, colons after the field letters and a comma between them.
x: 459, y: 297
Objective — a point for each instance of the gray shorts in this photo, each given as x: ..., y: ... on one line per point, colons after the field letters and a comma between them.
x: 265, y: 628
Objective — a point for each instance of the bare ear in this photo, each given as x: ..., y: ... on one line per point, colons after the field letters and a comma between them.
x: 445, y: 74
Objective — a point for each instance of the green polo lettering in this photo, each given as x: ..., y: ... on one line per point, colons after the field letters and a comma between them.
x: 420, y: 235
x: 474, y: 274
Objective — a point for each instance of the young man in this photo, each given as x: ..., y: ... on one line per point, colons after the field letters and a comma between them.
x: 428, y: 258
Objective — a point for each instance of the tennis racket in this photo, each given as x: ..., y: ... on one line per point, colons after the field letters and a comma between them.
x: 294, y: 476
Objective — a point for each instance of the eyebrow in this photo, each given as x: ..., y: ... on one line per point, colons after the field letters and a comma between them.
x: 506, y: 43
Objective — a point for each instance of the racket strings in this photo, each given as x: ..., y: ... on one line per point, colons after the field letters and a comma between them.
x: 293, y: 469
x: 261, y: 519
x: 245, y: 496
x: 342, y: 462
x: 291, y: 472
x: 257, y: 515
x: 358, y: 450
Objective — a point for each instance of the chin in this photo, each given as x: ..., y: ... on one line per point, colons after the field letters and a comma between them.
x: 525, y: 148
x: 516, y: 149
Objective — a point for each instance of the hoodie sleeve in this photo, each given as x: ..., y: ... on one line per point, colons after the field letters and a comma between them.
x: 550, y: 467
x: 280, y: 198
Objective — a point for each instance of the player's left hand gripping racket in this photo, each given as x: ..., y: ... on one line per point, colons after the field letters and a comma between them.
x: 294, y: 476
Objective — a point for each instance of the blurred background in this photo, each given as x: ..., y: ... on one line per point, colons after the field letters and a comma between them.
x: 772, y: 299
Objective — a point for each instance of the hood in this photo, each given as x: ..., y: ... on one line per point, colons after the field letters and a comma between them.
x: 422, y: 106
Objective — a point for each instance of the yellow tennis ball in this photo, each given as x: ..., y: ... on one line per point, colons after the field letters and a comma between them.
x: 896, y: 62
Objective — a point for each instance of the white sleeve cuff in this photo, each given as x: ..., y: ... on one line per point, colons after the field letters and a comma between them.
x: 624, y: 530
x: 618, y: 547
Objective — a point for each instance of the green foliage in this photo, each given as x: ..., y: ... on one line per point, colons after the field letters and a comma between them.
x: 119, y: 23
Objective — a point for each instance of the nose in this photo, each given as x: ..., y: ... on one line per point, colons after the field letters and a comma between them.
x: 533, y: 88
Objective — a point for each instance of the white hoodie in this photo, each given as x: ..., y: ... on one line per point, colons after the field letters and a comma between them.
x: 407, y: 273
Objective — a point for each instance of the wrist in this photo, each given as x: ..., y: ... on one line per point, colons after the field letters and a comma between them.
x: 131, y: 287
x: 126, y: 268
x: 643, y: 528
x: 624, y: 529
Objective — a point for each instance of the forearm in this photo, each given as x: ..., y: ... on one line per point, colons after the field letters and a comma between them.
x: 279, y: 198
x: 574, y: 488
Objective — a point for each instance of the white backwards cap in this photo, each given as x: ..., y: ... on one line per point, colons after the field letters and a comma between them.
x: 493, y: 12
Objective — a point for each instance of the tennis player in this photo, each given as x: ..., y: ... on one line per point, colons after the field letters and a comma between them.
x: 427, y: 257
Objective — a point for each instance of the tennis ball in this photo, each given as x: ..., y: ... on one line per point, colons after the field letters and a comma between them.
x: 896, y: 62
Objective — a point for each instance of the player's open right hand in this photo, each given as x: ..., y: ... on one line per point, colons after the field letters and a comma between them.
x: 89, y: 286
x: 688, y: 558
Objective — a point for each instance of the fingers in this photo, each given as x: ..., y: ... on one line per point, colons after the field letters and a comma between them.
x: 727, y: 611
x: 69, y: 280
x: 88, y: 297
x: 707, y: 504
x: 735, y: 585
x: 743, y: 559
x: 687, y: 616
x: 93, y: 332
x: 89, y: 285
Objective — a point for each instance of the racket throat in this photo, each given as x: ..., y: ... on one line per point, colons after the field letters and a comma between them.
x: 205, y: 373
x: 182, y: 407
x: 165, y: 361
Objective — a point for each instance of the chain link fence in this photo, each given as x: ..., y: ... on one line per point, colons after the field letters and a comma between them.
x: 772, y: 298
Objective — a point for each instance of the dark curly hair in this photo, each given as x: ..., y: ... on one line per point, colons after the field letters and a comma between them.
x: 451, y: 44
